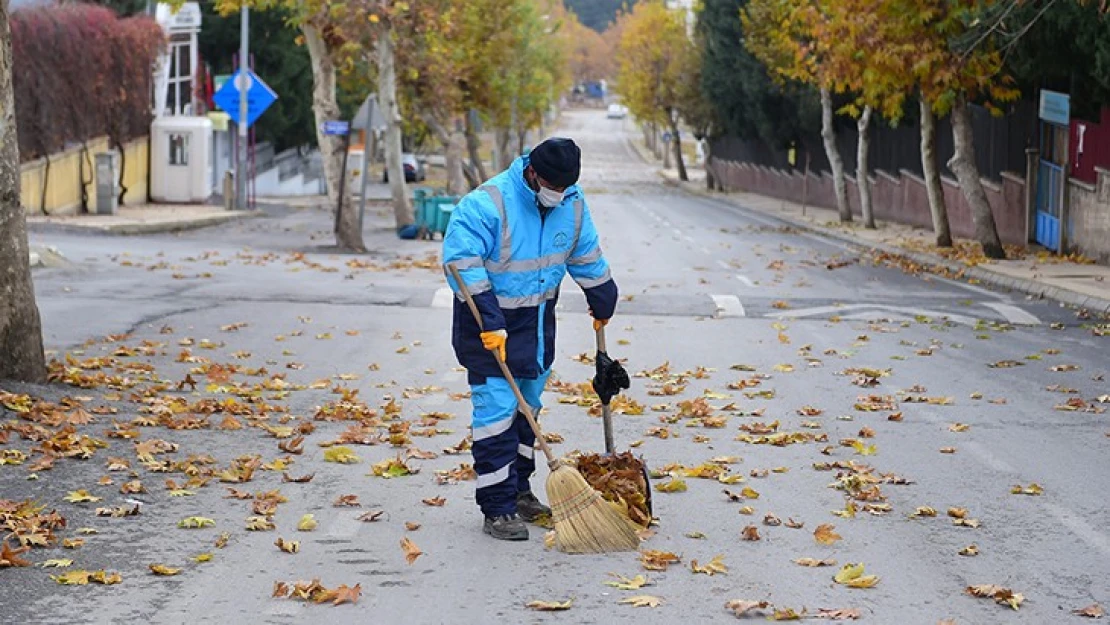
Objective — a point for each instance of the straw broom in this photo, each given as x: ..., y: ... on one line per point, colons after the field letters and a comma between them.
x: 584, y: 522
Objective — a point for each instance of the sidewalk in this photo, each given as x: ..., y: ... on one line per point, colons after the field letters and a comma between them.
x: 143, y: 219
x: 1036, y: 273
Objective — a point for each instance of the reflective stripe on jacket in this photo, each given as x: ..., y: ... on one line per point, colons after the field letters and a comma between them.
x: 513, y: 260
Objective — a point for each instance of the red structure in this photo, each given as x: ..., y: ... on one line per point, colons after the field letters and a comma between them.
x: 1089, y: 147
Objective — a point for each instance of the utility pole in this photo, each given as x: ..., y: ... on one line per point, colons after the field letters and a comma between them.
x: 244, y: 87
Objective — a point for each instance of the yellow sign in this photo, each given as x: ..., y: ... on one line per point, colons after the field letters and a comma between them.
x: 219, y: 120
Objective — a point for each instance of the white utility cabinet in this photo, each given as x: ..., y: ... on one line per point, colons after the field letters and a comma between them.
x: 181, y: 153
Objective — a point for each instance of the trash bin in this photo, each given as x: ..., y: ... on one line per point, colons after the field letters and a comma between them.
x: 107, y: 189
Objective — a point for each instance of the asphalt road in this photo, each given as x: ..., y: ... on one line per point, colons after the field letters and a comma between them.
x: 705, y: 284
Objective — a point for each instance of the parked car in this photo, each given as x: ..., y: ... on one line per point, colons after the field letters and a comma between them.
x: 414, y: 169
x: 617, y: 111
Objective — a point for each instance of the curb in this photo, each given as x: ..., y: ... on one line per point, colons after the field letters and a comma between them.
x: 138, y: 228
x: 984, y: 276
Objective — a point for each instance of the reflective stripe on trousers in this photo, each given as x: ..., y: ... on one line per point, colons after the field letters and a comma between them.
x: 501, y: 438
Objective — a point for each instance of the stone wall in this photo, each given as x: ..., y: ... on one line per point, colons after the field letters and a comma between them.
x: 1089, y: 217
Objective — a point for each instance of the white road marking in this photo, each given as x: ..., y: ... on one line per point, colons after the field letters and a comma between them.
x: 723, y: 264
x: 910, y: 310
x: 729, y: 306
x: 745, y: 280
x: 1079, y: 527
x: 705, y: 250
x: 676, y: 231
x: 443, y: 297
x: 1013, y: 314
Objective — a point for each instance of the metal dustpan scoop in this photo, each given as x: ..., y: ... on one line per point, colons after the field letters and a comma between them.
x: 619, y: 477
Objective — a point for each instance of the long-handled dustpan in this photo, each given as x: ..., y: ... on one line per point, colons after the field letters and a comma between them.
x: 620, y: 477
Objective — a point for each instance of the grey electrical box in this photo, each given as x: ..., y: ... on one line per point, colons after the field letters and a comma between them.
x: 107, y: 191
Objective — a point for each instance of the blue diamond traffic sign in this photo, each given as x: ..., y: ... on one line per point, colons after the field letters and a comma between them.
x: 259, y: 97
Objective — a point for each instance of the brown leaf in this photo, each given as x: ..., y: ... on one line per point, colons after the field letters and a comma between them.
x: 549, y: 606
x: 750, y: 532
x: 412, y: 526
x: 792, y: 524
x: 657, y: 560
x: 288, y: 546
x: 825, y: 534
x: 370, y: 517
x: 838, y: 614
x: 10, y: 557
x: 437, y: 502
x: 741, y: 606
x: 412, y: 552
x: 292, y: 445
x: 281, y: 589
x: 1092, y: 611
x: 304, y: 479
x: 347, y: 594
x: 347, y: 500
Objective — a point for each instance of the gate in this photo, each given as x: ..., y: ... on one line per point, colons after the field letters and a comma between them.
x: 1050, y: 192
x: 1054, y: 113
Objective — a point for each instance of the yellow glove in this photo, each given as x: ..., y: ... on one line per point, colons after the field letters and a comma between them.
x: 495, y: 342
x: 600, y: 323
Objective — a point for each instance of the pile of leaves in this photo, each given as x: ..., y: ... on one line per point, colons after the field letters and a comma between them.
x: 622, y: 479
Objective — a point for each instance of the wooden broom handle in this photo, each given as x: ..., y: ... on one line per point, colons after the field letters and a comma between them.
x: 521, y: 403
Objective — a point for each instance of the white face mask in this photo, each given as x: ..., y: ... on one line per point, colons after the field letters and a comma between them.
x: 549, y: 197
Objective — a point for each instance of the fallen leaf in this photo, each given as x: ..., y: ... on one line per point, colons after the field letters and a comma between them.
x: 259, y: 524
x: 786, y: 614
x: 657, y: 560
x: 674, y: 485
x: 73, y: 543
x: 851, y: 575
x: 1092, y: 611
x: 947, y: 450
x: 10, y: 557
x: 813, y: 562
x: 307, y: 523
x: 202, y: 557
x: 57, y: 563
x: 340, y: 454
x: 347, y: 500
x: 626, y: 583
x: 924, y: 511
x: 713, y: 567
x: 750, y: 532
x: 1032, y: 489
x: 347, y: 594
x: 970, y: 550
x: 549, y: 606
x: 959, y: 427
x: 288, y: 546
x: 81, y: 496
x: 1001, y: 595
x: 196, y: 522
x: 740, y: 606
x: 642, y: 601
x: 825, y: 534
x: 437, y: 502
x: 412, y: 552
x: 162, y: 569
x: 838, y: 614
x: 370, y: 517
x: 412, y: 526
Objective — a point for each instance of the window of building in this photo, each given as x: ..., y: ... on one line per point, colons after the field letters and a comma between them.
x: 179, y: 91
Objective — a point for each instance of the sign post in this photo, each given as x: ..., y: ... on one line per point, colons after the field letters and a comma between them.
x: 341, y: 128
x: 241, y: 123
x: 244, y: 111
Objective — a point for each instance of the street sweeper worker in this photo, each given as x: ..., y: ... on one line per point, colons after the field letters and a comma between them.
x: 513, y: 239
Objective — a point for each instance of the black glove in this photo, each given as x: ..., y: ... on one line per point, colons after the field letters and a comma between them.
x: 610, y: 378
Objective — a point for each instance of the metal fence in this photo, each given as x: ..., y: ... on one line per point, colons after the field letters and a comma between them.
x: 1000, y: 144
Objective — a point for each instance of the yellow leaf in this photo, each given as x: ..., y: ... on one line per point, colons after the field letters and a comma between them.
x: 626, y: 583
x: 72, y: 578
x: 203, y: 557
x: 81, y: 496
x: 307, y: 523
x: 340, y: 454
x: 864, y: 450
x: 750, y: 492
x: 813, y: 562
x: 162, y: 569
x: 288, y: 546
x: 787, y: 368
x: 57, y: 563
x: 714, y: 566
x: 1032, y: 489
x: 642, y: 601
x: 195, y: 522
x: 549, y: 606
x: 674, y: 485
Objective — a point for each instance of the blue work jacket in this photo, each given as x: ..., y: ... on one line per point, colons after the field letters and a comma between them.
x: 513, y: 258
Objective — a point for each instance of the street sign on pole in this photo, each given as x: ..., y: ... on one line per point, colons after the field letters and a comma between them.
x: 335, y: 127
x: 259, y: 97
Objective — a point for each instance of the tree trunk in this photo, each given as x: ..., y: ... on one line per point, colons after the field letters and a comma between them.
x: 503, y: 136
x: 835, y: 162
x: 21, y: 355
x: 473, y: 145
x: 679, y: 163
x: 391, y: 110
x: 453, y: 146
x: 521, y: 139
x: 929, y: 167
x: 325, y: 107
x: 122, y: 168
x: 711, y: 181
x: 863, y: 182
x: 963, y: 165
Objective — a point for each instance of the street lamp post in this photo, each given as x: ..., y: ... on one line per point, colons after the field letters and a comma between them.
x: 244, y: 87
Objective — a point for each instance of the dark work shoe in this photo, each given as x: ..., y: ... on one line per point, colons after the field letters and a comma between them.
x: 529, y: 507
x: 506, y: 527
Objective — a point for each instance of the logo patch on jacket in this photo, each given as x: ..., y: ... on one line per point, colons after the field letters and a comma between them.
x: 561, y: 241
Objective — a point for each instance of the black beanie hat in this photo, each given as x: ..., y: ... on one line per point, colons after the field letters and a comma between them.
x: 557, y: 161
